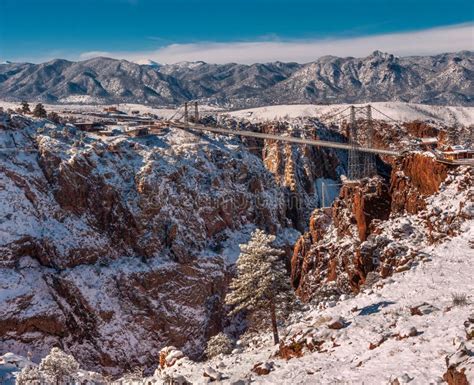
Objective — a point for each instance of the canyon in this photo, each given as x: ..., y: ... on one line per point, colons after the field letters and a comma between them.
x: 114, y: 248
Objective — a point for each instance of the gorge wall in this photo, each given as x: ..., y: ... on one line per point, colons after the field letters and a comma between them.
x: 113, y: 248
x: 110, y: 248
x: 376, y: 228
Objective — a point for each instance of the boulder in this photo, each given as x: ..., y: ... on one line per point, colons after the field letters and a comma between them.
x: 460, y: 366
x: 406, y: 332
x: 262, y: 368
x: 213, y: 374
x: 423, y: 309
x: 169, y: 355
x: 336, y: 323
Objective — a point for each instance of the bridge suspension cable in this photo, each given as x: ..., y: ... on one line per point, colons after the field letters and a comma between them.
x: 291, y: 139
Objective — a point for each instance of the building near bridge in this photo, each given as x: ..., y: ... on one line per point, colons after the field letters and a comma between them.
x: 138, y: 131
x: 456, y: 152
x: 427, y: 143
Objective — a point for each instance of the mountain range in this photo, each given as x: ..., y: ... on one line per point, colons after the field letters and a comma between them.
x: 445, y: 79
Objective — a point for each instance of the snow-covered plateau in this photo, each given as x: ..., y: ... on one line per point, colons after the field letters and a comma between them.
x: 398, y: 111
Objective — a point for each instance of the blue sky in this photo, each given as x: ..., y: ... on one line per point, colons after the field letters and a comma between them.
x: 38, y: 30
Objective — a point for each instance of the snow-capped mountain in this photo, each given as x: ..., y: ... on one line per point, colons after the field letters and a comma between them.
x: 149, y: 62
x: 440, y: 79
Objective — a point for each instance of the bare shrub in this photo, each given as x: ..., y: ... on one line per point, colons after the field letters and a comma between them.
x: 459, y: 299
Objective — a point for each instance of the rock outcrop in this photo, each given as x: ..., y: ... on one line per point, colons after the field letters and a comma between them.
x: 415, y: 177
x: 361, y: 203
x: 460, y: 366
x: 363, y: 237
x: 319, y: 260
x: 111, y: 248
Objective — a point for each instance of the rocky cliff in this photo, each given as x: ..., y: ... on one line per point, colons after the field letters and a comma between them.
x: 375, y: 228
x: 298, y: 168
x: 113, y: 248
x: 415, y: 177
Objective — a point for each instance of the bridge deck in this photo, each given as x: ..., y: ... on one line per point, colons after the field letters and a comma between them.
x: 291, y: 139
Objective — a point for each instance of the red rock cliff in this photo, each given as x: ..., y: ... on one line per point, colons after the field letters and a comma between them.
x: 414, y: 177
x: 367, y: 230
x: 319, y: 258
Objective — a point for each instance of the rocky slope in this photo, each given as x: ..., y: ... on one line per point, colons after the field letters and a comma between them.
x: 383, y: 335
x: 115, y: 248
x: 375, y: 229
x: 440, y: 79
x: 387, y: 304
x: 413, y: 327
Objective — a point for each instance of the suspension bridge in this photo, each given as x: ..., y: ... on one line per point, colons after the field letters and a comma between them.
x: 361, y: 159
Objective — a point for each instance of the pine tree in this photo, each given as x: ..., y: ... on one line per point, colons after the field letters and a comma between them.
x: 25, y: 108
x: 262, y: 281
x: 54, y: 117
x: 59, y: 367
x: 39, y: 111
x: 30, y: 375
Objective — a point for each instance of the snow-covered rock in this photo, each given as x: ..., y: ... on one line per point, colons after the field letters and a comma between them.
x: 212, y: 373
x: 110, y: 241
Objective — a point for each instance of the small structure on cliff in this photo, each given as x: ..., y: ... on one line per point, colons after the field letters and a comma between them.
x: 456, y: 155
x: 427, y: 143
x: 89, y: 126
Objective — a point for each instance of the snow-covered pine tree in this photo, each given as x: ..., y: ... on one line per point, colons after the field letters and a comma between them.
x: 59, y: 367
x: 218, y: 344
x: 30, y: 375
x: 262, y: 281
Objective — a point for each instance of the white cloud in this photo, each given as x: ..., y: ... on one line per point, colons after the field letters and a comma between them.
x: 425, y: 42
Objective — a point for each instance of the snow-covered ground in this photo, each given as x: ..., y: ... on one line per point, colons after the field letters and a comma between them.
x: 83, y: 104
x: 381, y: 313
x: 398, y: 111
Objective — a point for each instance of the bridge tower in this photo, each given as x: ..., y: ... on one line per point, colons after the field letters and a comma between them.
x: 196, y: 112
x: 370, y: 168
x: 186, y: 115
x: 353, y: 162
x: 360, y: 164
